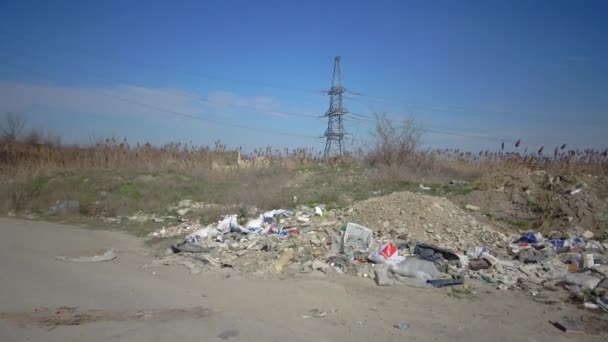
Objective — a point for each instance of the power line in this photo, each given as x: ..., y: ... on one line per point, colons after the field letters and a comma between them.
x: 363, y: 118
x: 163, y: 110
x: 433, y: 129
x: 199, y: 98
x: 354, y: 116
x: 429, y: 107
x: 50, y: 42
x: 257, y: 130
x: 122, y: 60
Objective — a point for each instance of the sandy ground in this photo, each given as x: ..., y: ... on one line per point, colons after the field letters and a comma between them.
x: 127, y: 302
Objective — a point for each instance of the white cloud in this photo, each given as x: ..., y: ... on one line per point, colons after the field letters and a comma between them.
x: 120, y: 99
x: 125, y: 99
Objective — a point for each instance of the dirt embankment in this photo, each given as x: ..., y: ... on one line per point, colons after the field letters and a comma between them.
x: 538, y: 200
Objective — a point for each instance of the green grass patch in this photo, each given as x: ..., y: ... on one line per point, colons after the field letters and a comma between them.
x: 458, y: 189
x: 514, y: 222
x: 517, y: 223
x: 39, y: 183
x: 130, y: 191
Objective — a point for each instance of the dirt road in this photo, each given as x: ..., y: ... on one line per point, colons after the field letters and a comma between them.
x: 120, y: 300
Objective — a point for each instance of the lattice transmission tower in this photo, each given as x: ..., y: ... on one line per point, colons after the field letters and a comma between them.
x: 335, y: 132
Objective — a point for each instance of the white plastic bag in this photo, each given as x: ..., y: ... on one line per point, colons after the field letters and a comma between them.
x: 255, y: 223
x: 202, y: 234
x: 227, y: 223
x: 583, y: 280
x: 272, y: 213
x: 416, y: 268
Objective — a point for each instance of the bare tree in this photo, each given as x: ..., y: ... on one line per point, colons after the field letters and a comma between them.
x: 12, y: 127
x: 395, y: 143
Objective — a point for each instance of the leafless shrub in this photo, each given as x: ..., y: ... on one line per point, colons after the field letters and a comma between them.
x: 394, y: 143
x: 12, y: 127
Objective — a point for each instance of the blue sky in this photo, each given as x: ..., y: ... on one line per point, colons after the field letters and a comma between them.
x: 471, y: 72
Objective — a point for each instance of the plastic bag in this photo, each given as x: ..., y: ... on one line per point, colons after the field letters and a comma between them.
x: 269, y: 215
x: 415, y: 268
x: 255, y: 223
x: 475, y: 252
x: 554, y: 269
x: 582, y: 280
x: 530, y: 238
x: 202, y: 234
x: 228, y: 223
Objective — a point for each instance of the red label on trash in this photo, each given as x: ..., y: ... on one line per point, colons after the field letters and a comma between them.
x: 388, y: 250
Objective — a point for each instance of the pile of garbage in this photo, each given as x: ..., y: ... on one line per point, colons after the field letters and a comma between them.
x: 272, y: 242
x: 576, y: 263
x: 283, y: 241
x: 428, y: 242
x: 184, y: 228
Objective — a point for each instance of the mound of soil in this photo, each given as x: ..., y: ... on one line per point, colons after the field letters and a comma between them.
x: 416, y: 217
x: 537, y: 200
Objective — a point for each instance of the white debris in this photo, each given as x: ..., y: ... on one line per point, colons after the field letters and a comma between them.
x: 472, y: 207
x: 106, y: 256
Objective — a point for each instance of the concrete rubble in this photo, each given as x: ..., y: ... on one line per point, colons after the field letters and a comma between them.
x: 402, y: 238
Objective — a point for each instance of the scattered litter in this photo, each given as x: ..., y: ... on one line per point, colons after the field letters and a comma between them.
x: 530, y: 255
x: 228, y: 223
x: 387, y: 254
x: 181, y: 229
x: 475, y: 252
x: 445, y: 282
x: 479, y: 264
x: 472, y: 207
x: 317, y: 313
x: 226, y: 334
x: 583, y: 280
x: 588, y: 260
x: 569, y: 326
x: 106, y: 256
x: 592, y: 306
x: 588, y: 235
x: 558, y: 243
x: 303, y: 219
x: 269, y: 215
x: 202, y: 234
x: 64, y: 205
x: 255, y: 223
x: 402, y: 326
x: 425, y: 188
x: 319, y: 210
x: 356, y: 238
x: 189, y: 247
x: 529, y: 238
x: 602, y: 302
x: 415, y: 268
x: 430, y: 252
